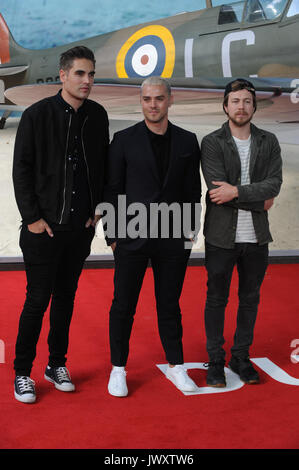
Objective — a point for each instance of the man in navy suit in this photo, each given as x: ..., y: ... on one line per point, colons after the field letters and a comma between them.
x: 153, y: 162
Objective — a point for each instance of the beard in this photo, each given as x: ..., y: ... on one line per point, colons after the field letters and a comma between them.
x: 241, y: 123
x: 155, y: 118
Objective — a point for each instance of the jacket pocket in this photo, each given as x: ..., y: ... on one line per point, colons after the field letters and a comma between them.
x: 185, y: 155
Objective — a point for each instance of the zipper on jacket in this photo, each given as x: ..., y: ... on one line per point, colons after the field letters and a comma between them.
x: 87, y: 168
x: 65, y: 162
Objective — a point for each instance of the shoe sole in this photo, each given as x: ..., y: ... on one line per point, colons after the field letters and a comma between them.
x: 248, y: 382
x: 22, y: 399
x: 218, y: 385
x: 118, y: 395
x: 59, y: 387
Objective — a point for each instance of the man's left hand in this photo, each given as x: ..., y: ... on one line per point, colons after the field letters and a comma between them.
x: 224, y: 193
x: 93, y: 221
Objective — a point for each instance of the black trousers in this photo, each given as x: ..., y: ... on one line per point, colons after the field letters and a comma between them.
x: 53, y: 267
x: 169, y: 261
x: 251, y: 261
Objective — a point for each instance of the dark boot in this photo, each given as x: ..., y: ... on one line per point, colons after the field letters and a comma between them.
x: 216, y: 375
x: 244, y: 368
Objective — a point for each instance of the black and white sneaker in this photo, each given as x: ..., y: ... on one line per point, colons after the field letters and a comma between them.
x: 60, y: 377
x: 24, y: 389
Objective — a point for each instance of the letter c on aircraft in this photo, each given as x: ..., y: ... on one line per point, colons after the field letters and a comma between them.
x: 247, y: 36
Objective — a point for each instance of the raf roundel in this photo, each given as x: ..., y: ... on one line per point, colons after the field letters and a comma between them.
x: 149, y: 51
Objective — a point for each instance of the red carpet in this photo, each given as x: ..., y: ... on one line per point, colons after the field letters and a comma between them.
x: 155, y: 415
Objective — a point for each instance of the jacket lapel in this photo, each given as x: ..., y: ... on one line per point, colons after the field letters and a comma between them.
x: 234, y: 150
x: 174, y: 148
x: 256, y: 139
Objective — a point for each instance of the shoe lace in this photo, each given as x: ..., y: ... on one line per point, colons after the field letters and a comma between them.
x: 119, y: 372
x: 63, y: 374
x: 25, y: 384
x: 214, y: 363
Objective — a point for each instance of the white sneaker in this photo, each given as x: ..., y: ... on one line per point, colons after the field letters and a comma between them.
x: 117, y: 385
x: 179, y: 377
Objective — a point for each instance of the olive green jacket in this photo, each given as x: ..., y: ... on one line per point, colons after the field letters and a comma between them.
x: 221, y: 162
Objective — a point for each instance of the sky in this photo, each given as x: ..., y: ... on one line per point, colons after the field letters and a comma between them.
x: 39, y: 24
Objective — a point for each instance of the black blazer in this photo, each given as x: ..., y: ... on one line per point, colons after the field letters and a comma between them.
x: 132, y: 171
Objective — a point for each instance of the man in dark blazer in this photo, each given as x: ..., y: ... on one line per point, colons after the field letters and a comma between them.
x: 153, y: 162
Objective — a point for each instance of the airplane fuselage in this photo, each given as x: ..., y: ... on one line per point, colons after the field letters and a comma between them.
x: 188, y: 45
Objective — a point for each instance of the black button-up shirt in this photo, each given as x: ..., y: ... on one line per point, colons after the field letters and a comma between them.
x: 77, y: 204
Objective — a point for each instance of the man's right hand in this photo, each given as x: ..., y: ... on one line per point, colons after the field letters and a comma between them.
x: 113, y: 246
x: 268, y: 204
x: 39, y: 227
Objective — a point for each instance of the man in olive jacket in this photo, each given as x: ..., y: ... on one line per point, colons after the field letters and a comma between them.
x: 242, y: 168
x: 58, y: 175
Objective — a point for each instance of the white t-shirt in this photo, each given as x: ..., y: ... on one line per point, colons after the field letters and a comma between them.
x: 245, y: 232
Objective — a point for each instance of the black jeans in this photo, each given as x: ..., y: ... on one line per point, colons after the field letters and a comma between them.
x: 251, y: 261
x: 53, y: 267
x: 169, y: 261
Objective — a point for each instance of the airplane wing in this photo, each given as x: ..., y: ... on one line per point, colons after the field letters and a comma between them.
x: 120, y: 98
x: 192, y: 106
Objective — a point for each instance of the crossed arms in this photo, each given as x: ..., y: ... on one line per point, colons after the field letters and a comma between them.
x: 256, y: 196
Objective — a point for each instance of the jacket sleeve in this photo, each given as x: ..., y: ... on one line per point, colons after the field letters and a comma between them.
x: 114, y: 186
x: 193, y: 191
x: 213, y: 169
x: 104, y: 131
x: 269, y: 187
x: 24, y: 171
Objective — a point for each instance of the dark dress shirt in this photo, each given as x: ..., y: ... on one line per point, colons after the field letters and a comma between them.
x: 161, y: 148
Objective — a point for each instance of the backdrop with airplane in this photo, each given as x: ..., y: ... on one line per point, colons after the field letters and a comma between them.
x: 198, y: 51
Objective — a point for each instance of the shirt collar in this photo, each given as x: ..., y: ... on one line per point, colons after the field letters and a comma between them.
x: 67, y: 106
x: 161, y: 136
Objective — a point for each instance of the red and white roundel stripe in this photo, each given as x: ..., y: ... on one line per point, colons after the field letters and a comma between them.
x: 145, y: 60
